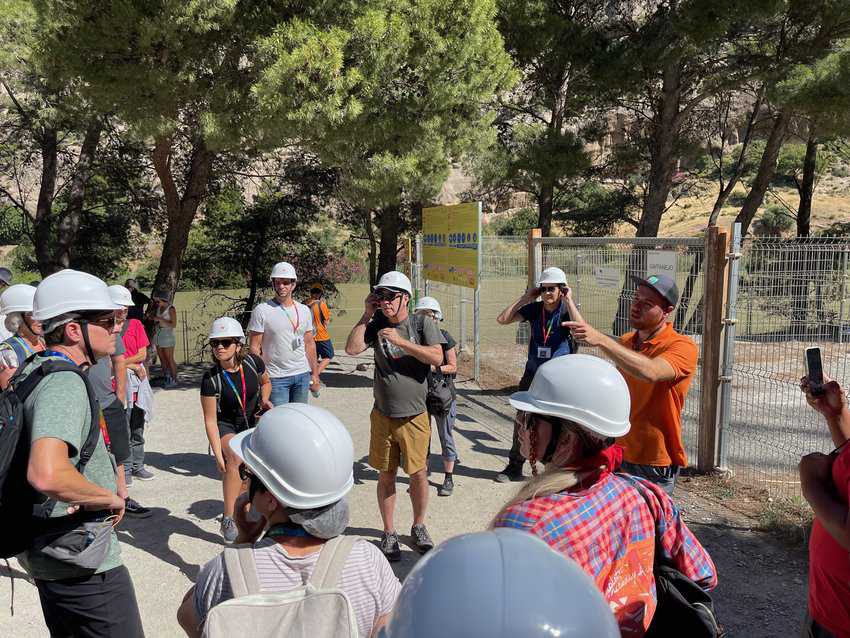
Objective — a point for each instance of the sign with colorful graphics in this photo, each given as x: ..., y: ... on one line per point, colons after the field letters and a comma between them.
x: 450, y: 243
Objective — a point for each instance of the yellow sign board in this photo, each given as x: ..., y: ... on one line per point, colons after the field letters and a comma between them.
x: 450, y: 243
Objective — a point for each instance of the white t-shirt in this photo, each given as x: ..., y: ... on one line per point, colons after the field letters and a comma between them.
x: 367, y: 579
x: 283, y: 329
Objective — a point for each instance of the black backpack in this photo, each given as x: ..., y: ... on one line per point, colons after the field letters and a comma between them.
x: 21, y: 506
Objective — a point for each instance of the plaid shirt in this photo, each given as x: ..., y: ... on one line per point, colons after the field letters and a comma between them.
x: 609, y: 529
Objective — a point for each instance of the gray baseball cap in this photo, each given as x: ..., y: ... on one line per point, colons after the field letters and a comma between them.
x: 662, y: 284
x: 6, y: 276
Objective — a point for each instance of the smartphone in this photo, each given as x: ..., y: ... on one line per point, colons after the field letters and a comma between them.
x: 814, y: 370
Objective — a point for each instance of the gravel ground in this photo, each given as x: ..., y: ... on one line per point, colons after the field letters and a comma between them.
x: 762, y: 580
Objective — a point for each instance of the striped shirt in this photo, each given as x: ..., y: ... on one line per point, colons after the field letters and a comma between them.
x: 367, y: 579
x: 610, y: 529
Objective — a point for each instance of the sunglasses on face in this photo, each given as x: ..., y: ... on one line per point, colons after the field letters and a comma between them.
x: 549, y: 288
x: 223, y: 343
x: 105, y: 321
x: 387, y: 295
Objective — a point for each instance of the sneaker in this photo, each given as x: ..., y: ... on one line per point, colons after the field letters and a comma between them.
x: 390, y: 547
x: 229, y: 530
x: 510, y: 473
x: 421, y: 538
x: 143, y: 474
x: 132, y: 507
x: 446, y: 488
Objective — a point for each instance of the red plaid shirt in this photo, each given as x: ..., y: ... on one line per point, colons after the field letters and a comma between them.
x: 609, y: 530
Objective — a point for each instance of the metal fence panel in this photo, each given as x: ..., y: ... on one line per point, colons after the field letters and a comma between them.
x: 792, y: 294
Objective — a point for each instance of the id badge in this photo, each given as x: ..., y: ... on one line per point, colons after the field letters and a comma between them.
x: 544, y: 353
x: 297, y: 342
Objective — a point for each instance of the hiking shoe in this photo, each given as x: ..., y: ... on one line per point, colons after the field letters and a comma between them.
x: 390, y: 547
x: 446, y: 488
x: 421, y: 538
x: 133, y: 508
x: 143, y: 475
x: 229, y: 530
x: 509, y: 474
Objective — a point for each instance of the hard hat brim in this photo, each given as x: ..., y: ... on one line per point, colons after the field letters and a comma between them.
x: 526, y: 402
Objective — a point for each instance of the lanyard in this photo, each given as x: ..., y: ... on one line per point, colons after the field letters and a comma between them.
x: 61, y: 355
x: 286, y: 529
x: 547, y: 330
x: 297, y: 321
x: 244, y: 398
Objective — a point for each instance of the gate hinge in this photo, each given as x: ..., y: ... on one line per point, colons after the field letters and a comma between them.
x: 725, y: 378
x: 727, y: 321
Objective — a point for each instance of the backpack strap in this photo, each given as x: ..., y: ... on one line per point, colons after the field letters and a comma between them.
x: 241, y: 570
x: 331, y: 562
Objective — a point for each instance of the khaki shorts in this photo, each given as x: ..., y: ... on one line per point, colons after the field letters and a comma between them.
x: 399, y: 441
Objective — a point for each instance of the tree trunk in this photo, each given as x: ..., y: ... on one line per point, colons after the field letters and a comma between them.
x: 181, y: 210
x: 389, y: 239
x: 255, y: 279
x: 807, y: 190
x: 766, y: 171
x: 44, y: 207
x: 545, y: 205
x: 69, y: 221
x: 373, y: 248
x: 724, y: 193
x: 663, y: 140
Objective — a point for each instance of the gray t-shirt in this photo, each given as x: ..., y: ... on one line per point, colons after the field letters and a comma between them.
x: 101, y: 373
x: 59, y: 408
x: 400, y: 379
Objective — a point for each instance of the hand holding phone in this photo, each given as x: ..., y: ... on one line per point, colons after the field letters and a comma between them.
x: 814, y: 371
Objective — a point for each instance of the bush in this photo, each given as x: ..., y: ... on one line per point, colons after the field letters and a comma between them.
x: 773, y: 221
x: 840, y: 170
x: 513, y: 224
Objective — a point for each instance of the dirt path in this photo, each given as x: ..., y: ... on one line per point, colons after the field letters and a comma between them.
x: 762, y: 590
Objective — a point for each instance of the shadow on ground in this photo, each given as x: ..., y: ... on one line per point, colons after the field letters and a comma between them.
x: 183, y: 463
x: 152, y: 535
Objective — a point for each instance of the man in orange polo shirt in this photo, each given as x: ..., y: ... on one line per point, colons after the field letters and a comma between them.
x: 658, y: 364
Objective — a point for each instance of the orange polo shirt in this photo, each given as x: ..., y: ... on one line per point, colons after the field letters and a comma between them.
x: 656, y: 434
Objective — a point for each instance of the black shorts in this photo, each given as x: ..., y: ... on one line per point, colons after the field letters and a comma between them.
x: 118, y: 428
x: 225, y: 428
x: 325, y: 349
x: 89, y: 606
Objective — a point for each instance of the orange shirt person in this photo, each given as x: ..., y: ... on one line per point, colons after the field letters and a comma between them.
x: 658, y: 364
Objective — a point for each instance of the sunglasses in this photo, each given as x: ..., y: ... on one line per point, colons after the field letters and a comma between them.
x: 244, y: 472
x: 549, y: 288
x: 105, y: 321
x: 223, y: 343
x: 384, y: 294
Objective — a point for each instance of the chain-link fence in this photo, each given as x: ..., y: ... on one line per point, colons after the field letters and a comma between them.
x: 792, y: 294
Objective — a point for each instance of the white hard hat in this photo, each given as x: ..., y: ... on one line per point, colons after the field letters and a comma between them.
x: 17, y: 298
x: 226, y: 327
x: 302, y: 453
x: 429, y: 303
x: 581, y: 388
x: 283, y: 270
x: 70, y: 291
x: 121, y: 295
x: 503, y: 583
x: 397, y: 280
x: 552, y: 276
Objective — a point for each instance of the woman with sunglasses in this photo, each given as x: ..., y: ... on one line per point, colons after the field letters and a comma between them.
x: 233, y: 392
x: 611, y: 524
x: 548, y: 339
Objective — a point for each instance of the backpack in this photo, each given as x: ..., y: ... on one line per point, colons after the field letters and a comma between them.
x: 316, y: 610
x: 441, y: 392
x: 684, y: 608
x: 19, y: 501
x: 216, y: 380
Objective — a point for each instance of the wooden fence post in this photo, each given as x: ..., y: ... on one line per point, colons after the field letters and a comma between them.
x: 535, y: 255
x: 716, y: 247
